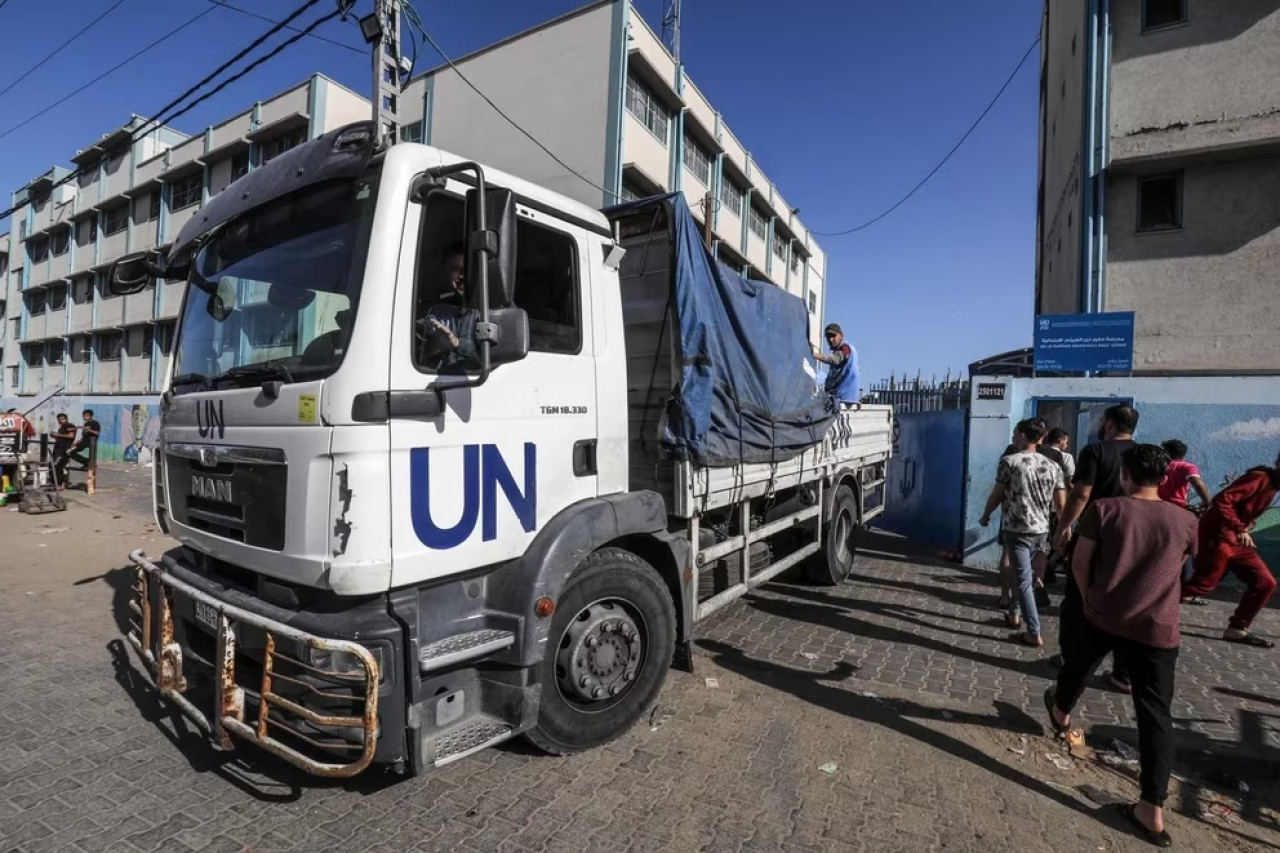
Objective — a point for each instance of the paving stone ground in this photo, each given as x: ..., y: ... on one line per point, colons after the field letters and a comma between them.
x: 900, y: 679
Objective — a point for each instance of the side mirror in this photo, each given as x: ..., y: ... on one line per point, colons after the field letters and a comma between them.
x: 499, y: 236
x: 131, y: 273
x: 511, y: 328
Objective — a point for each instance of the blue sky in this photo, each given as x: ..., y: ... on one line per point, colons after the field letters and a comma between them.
x: 845, y: 105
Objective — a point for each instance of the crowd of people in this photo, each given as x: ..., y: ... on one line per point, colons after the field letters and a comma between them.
x: 1135, y: 550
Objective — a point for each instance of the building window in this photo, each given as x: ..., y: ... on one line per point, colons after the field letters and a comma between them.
x: 35, y: 303
x: 187, y: 191
x: 148, y: 341
x: 1158, y: 14
x: 696, y: 160
x: 93, y: 227
x: 275, y: 147
x: 1160, y: 203
x: 115, y: 220
x: 57, y: 297
x: 82, y: 291
x: 108, y: 345
x: 239, y: 165
x: 61, y: 241
x: 780, y: 246
x: 13, y: 378
x: 38, y: 249
x: 630, y: 192
x: 795, y: 263
x: 411, y: 132
x: 731, y: 196
x: 813, y: 302
x: 165, y: 332
x: 755, y: 221
x: 55, y: 352
x: 647, y: 109
x: 33, y: 355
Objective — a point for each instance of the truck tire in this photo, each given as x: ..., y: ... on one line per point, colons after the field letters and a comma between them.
x: 610, y: 646
x: 834, y: 563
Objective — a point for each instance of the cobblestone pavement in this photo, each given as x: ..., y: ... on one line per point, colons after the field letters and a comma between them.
x: 925, y: 716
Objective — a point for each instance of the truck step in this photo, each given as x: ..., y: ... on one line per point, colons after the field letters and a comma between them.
x: 468, y: 738
x: 462, y: 647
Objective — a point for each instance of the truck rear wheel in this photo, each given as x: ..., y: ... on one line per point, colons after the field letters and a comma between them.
x: 608, y: 653
x: 834, y: 562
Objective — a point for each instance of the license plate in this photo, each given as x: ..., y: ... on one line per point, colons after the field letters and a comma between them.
x: 207, y: 616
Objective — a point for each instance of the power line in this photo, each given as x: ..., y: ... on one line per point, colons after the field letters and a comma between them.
x: 173, y: 32
x: 412, y: 15
x: 301, y: 34
x: 280, y: 25
x: 252, y: 14
x: 143, y: 128
x: 33, y: 69
x: 944, y: 160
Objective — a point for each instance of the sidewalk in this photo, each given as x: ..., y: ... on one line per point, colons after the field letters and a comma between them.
x: 883, y: 715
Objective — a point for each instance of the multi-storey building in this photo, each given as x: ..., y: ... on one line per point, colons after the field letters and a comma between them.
x: 597, y: 87
x: 1160, y: 176
x: 62, y: 327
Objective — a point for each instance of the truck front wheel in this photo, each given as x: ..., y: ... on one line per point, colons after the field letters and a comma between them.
x: 834, y: 562
x: 607, y: 655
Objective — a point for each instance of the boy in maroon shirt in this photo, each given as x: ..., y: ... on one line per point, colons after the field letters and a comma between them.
x: 1128, y: 567
x: 1225, y: 543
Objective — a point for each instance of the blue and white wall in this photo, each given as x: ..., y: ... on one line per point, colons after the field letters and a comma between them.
x: 1230, y: 424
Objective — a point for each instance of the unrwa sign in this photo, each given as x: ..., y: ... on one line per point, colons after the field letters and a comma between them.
x: 1084, y: 343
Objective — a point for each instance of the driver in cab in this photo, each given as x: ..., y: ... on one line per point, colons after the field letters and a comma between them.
x: 446, y: 334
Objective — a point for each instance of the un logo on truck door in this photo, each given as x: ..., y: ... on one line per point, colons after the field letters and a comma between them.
x: 485, y: 473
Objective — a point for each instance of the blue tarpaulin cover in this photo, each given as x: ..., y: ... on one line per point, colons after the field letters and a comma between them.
x: 748, y: 391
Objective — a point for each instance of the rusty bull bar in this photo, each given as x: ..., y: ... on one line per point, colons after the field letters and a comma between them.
x: 164, y: 662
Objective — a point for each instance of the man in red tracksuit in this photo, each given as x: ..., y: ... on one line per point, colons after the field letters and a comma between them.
x: 1225, y: 543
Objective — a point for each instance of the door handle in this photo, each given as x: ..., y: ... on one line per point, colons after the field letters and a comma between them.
x: 584, y: 458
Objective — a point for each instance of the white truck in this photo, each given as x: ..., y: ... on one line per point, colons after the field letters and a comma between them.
x: 430, y: 499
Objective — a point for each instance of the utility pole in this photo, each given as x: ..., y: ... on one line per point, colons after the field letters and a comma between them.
x: 671, y: 28
x: 708, y: 207
x: 387, y: 69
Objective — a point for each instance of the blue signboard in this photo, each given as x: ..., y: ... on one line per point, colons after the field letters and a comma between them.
x: 1076, y: 343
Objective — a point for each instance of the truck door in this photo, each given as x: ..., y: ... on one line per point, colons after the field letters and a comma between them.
x: 472, y: 486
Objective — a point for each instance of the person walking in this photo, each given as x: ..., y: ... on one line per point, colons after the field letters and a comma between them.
x: 1127, y: 566
x: 1226, y: 542
x: 1097, y: 477
x: 1182, y: 477
x: 1058, y: 440
x: 842, y: 367
x: 62, y: 441
x: 1028, y: 487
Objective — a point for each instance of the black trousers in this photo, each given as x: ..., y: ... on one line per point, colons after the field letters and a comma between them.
x: 1151, y: 672
x: 1071, y: 614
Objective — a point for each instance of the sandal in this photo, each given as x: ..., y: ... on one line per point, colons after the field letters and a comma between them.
x: 1159, y: 839
x: 1030, y: 640
x: 1248, y: 639
x: 1058, y: 729
x: 1196, y: 601
x: 1013, y: 619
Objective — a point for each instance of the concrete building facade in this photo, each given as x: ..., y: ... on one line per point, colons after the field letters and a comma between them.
x: 127, y: 192
x: 1159, y: 188
x: 597, y: 87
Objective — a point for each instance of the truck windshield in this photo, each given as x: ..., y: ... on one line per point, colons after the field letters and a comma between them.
x: 273, y: 294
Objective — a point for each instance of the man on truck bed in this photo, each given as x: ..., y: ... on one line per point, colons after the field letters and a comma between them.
x: 842, y: 367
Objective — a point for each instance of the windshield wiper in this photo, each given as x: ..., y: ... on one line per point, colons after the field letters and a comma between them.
x: 264, y: 371
x: 197, y: 379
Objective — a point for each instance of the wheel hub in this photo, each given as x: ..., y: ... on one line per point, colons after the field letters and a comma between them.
x: 600, y: 653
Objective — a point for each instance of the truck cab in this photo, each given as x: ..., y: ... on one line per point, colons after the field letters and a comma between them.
x: 395, y: 453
